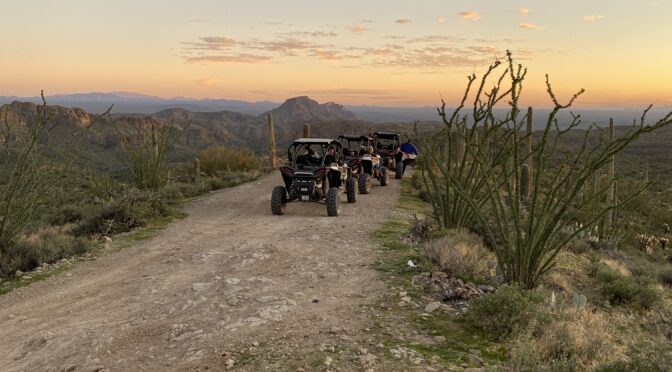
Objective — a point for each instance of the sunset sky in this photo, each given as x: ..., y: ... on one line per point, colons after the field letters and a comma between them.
x: 406, y: 53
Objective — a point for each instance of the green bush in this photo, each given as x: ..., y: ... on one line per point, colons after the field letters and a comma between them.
x: 507, y: 311
x: 656, y: 359
x: 48, y: 246
x: 216, y: 160
x: 665, y: 278
x: 602, y: 273
x: 625, y: 291
x: 132, y: 210
x: 66, y: 214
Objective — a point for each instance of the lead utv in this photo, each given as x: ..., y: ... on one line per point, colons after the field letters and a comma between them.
x: 315, y: 172
x: 387, y: 145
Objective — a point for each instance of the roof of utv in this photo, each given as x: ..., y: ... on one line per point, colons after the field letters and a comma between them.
x: 317, y: 141
x: 386, y: 135
x: 352, y: 137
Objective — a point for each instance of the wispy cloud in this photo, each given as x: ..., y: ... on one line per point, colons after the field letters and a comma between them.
x: 403, y: 21
x: 286, y: 46
x: 592, y: 18
x: 211, y: 43
x: 472, y: 16
x: 524, y: 11
x: 358, y: 29
x: 198, y: 20
x: 440, y: 19
x: 529, y: 26
x: 207, y: 82
x: 237, y: 58
x: 310, y: 34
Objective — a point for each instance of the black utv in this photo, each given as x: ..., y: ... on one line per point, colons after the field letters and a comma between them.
x: 364, y: 164
x: 387, y: 146
x: 315, y: 172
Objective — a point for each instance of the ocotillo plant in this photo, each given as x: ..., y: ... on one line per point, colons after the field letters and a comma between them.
x: 525, y: 235
x: 306, y: 130
x: 528, y: 156
x: 271, y: 135
x: 611, y: 172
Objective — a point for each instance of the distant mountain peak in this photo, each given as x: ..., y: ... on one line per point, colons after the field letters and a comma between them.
x: 304, y: 109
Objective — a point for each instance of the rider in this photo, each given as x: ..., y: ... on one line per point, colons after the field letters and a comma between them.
x: 331, y: 156
x: 408, y: 148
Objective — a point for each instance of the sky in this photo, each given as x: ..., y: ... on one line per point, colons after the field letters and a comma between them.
x: 386, y: 53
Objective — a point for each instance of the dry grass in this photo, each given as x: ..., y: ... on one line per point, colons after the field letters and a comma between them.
x: 460, y: 253
x: 579, y: 340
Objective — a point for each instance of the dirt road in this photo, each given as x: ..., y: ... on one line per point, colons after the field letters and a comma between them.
x: 229, y: 286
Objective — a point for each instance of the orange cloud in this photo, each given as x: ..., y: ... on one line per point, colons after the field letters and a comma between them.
x: 207, y: 82
x: 238, y: 58
x: 524, y: 10
x: 358, y: 29
x: 592, y: 18
x: 529, y: 26
x: 211, y: 43
x: 472, y: 16
x: 440, y: 19
x: 403, y: 21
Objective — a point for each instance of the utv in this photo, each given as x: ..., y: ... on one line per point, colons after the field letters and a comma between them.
x: 363, y: 164
x: 314, y: 172
x: 387, y: 145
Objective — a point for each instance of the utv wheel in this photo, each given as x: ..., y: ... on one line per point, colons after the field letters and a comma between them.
x: 398, y: 171
x: 352, y: 190
x: 384, y: 176
x: 333, y: 202
x: 364, y: 183
x: 278, y: 200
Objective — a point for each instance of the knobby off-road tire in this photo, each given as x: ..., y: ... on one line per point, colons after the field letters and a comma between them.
x: 398, y: 171
x: 352, y: 190
x: 385, y: 176
x: 279, y: 201
x: 364, y: 183
x: 333, y: 202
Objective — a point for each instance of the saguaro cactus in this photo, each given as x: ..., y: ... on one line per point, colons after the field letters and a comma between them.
x: 306, y: 130
x: 271, y: 136
x: 197, y: 170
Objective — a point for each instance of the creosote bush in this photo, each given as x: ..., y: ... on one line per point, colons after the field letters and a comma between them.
x: 47, y: 245
x: 215, y: 160
x: 511, y: 309
x: 623, y: 290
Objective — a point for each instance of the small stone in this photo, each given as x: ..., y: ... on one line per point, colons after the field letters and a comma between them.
x: 107, y: 239
x: 432, y: 306
x: 439, y: 339
x: 406, y: 299
x: 328, y: 361
x: 403, y: 294
x: 363, y: 351
x: 380, y: 346
x: 474, y: 359
x: 255, y: 344
x: 18, y: 273
x: 27, y: 277
x: 229, y: 363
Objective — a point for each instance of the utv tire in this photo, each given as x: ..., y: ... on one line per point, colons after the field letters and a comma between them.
x: 351, y: 190
x: 333, y: 202
x: 398, y: 172
x: 364, y: 183
x: 384, y: 176
x: 278, y: 200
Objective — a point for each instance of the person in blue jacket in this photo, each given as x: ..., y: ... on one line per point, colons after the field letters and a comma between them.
x: 407, y: 148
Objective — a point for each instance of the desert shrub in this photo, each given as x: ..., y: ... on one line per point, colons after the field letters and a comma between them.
x: 507, y: 311
x: 602, y: 273
x: 216, y: 160
x: 459, y: 253
x: 665, y: 278
x: 134, y: 209
x: 578, y: 246
x: 421, y: 228
x: 627, y: 291
x: 66, y: 214
x: 47, y: 245
x: 172, y: 193
x: 656, y: 358
x: 578, y: 341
